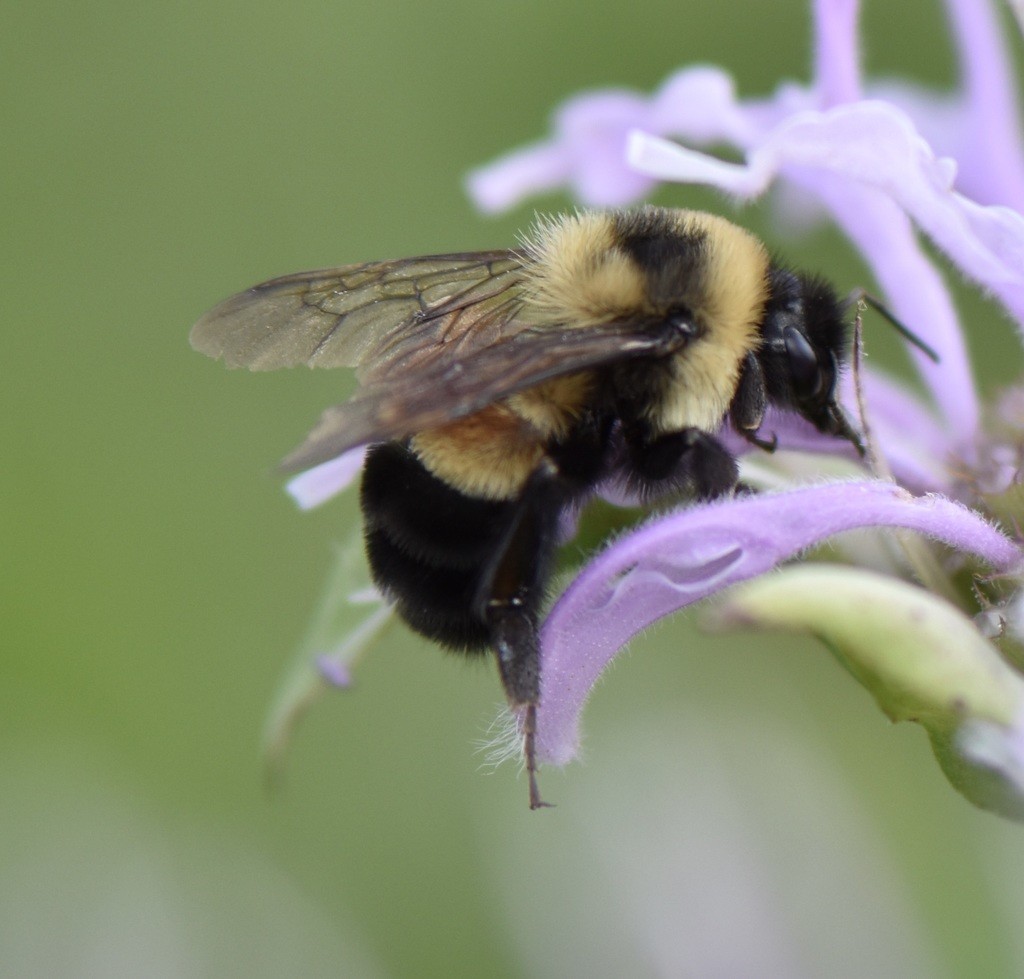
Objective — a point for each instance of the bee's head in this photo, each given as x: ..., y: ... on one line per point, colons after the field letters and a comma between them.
x: 803, y: 350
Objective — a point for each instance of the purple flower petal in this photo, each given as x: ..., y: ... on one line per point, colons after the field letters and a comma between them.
x: 699, y: 105
x: 319, y: 484
x: 791, y: 433
x: 336, y: 673
x: 916, y: 294
x: 916, y: 446
x: 836, y: 51
x: 592, y: 130
x: 876, y: 145
x: 990, y: 147
x: 866, y: 162
x: 948, y: 125
x: 678, y: 560
x: 533, y: 169
x: 587, y: 150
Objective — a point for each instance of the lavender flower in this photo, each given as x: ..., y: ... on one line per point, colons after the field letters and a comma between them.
x: 868, y: 157
x: 884, y: 161
x: 681, y: 559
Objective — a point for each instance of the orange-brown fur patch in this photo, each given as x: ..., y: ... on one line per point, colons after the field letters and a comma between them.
x: 553, y: 406
x: 489, y: 454
x: 492, y: 452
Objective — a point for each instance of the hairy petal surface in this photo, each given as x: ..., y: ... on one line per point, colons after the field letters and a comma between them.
x: 678, y: 560
x: 916, y: 446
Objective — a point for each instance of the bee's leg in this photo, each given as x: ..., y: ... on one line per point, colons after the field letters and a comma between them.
x: 749, y: 403
x: 689, y: 460
x: 511, y: 592
x: 512, y: 587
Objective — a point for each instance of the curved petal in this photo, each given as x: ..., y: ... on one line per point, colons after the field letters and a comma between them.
x: 990, y: 143
x: 676, y: 561
x: 505, y: 182
x: 916, y: 446
x: 699, y: 104
x: 587, y: 148
x: 916, y: 293
x: 317, y: 485
x: 867, y: 164
x: 836, y: 51
x: 874, y: 144
x: 586, y: 151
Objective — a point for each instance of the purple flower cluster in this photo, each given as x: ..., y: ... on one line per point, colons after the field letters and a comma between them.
x: 887, y: 163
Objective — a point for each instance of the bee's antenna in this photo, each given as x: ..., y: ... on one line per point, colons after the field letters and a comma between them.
x: 861, y: 295
x: 876, y: 461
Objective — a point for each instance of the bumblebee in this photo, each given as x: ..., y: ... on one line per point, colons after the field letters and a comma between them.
x: 498, y: 388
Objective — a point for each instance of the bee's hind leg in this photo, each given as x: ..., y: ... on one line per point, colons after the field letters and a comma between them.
x: 514, y: 584
x: 511, y: 592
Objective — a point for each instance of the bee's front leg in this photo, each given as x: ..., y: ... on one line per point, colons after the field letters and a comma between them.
x: 689, y: 461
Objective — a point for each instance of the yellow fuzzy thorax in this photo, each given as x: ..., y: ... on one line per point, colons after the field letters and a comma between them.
x: 577, y: 275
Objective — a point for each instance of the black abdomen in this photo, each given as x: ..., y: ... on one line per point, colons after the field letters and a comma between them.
x: 430, y: 547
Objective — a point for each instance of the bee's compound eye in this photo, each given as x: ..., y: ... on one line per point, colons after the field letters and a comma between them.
x: 805, y: 372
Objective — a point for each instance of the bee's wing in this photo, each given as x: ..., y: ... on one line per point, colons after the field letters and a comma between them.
x: 451, y: 389
x: 377, y: 318
x: 431, y: 339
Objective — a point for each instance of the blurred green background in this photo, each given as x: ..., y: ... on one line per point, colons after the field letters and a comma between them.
x: 743, y: 808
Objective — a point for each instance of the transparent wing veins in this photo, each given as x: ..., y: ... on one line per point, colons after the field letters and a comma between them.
x: 431, y: 340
